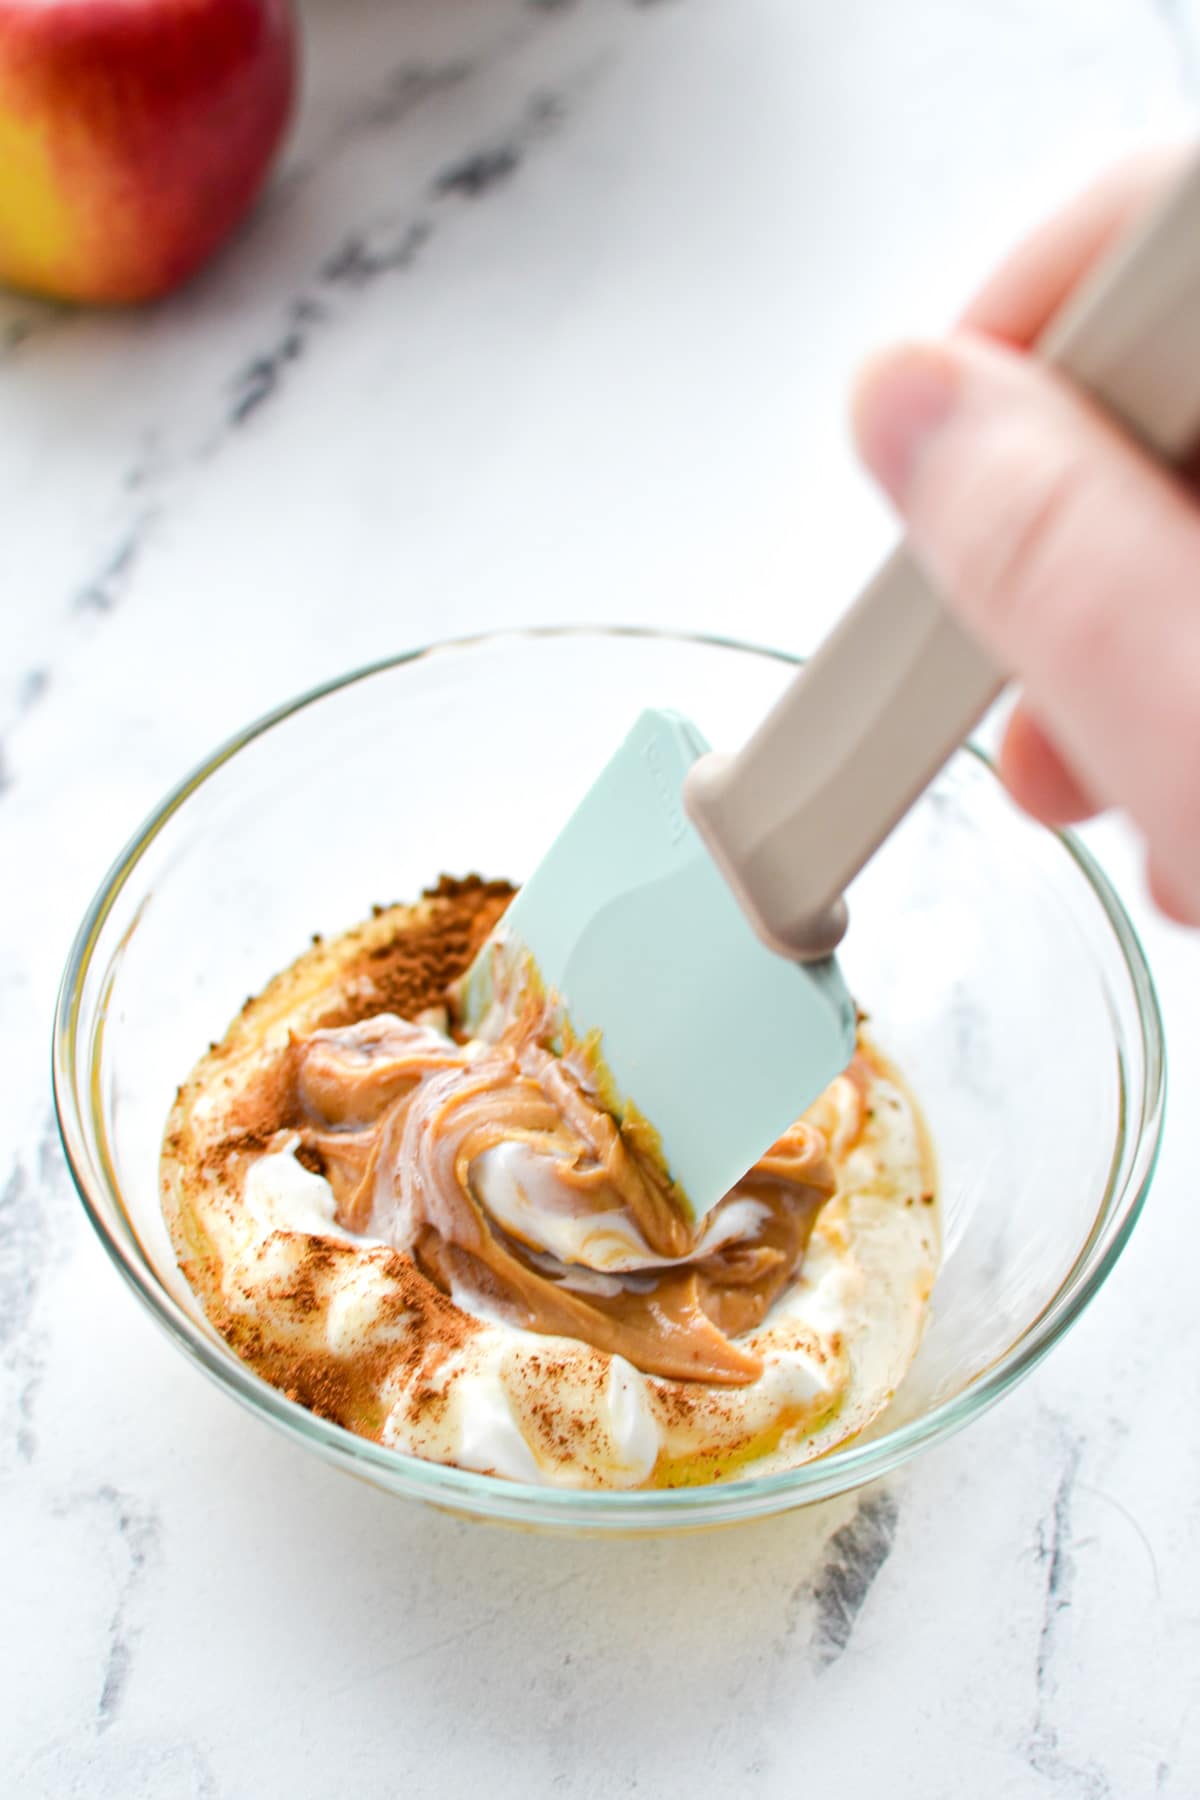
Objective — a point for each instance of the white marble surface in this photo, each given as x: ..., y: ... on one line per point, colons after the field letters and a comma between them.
x: 549, y: 316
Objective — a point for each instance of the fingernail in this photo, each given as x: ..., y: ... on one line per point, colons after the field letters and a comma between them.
x: 902, y: 398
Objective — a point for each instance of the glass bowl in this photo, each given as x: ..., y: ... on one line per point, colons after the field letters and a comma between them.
x: 997, y: 965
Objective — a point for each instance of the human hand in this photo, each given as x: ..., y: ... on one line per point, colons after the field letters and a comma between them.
x: 1068, y: 552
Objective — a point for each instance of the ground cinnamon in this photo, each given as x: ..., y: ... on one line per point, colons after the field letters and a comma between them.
x: 407, y: 973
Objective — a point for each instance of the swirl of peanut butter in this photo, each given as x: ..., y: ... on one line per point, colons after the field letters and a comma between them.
x: 497, y: 1168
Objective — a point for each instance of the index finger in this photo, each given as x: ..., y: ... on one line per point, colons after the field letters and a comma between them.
x: 1033, y: 282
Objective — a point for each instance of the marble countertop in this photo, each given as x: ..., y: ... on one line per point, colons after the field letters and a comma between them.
x: 549, y: 315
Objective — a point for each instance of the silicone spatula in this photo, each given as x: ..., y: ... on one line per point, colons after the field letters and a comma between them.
x: 720, y: 1007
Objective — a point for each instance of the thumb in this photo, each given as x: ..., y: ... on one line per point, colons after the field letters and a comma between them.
x: 1069, y: 554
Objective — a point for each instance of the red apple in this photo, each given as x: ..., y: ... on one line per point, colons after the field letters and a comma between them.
x: 134, y: 134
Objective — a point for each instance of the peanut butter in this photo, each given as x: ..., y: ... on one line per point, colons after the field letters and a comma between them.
x: 456, y: 1250
x: 400, y: 1120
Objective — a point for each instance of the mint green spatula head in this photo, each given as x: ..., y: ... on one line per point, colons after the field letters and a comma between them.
x: 718, y: 1042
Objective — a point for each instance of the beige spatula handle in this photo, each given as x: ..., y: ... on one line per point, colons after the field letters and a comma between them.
x: 792, y: 817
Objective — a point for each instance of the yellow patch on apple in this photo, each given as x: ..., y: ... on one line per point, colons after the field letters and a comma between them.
x: 35, y: 221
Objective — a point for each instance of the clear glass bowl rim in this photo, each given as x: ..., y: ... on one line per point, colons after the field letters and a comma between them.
x: 462, y: 1490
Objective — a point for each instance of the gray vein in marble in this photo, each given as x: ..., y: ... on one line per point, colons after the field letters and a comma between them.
x: 151, y: 464
x: 21, y: 1251
x: 35, y: 318
x: 386, y: 105
x: 1056, y: 1555
x: 390, y: 245
x: 14, y: 334
x: 106, y: 588
x: 138, y: 1531
x: 264, y: 373
x: 103, y: 592
x: 404, y: 88
x: 32, y: 1235
x: 853, y: 1560
x: 476, y: 174
x: 364, y: 256
x: 35, y: 1233
x: 31, y: 690
x: 483, y: 169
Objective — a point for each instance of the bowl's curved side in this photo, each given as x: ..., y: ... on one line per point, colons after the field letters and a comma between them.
x: 90, y: 999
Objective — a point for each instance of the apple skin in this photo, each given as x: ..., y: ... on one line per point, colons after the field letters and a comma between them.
x: 134, y: 134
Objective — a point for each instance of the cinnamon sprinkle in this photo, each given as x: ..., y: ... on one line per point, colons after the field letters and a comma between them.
x: 407, y: 972
x: 412, y: 971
